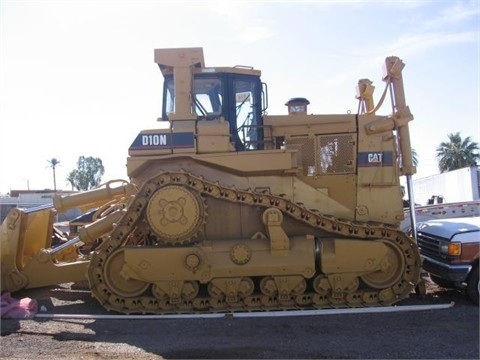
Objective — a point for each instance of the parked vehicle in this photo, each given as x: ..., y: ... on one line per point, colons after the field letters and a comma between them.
x: 450, y: 251
x: 453, y: 186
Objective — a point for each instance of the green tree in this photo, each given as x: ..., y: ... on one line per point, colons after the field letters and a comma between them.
x: 71, y: 179
x: 53, y: 164
x: 414, y: 158
x: 457, y: 153
x: 88, y: 173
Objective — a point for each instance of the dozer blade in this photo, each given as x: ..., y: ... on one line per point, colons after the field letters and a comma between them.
x: 24, y: 237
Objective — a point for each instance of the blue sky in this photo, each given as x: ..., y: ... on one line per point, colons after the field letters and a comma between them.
x: 77, y: 78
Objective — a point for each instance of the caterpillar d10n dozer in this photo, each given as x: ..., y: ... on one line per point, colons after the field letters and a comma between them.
x: 231, y: 209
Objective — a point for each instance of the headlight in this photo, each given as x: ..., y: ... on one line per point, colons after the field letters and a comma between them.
x: 451, y: 249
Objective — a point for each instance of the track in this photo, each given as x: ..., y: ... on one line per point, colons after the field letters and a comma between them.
x: 134, y: 296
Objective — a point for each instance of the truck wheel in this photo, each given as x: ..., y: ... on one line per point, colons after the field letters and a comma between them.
x: 473, y: 287
x: 442, y: 282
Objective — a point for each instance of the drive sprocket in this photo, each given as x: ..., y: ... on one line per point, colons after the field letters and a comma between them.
x: 175, y: 214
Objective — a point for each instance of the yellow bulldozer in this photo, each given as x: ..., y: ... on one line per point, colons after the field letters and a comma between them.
x: 231, y: 209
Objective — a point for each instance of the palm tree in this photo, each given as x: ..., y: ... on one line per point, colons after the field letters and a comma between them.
x: 414, y: 158
x: 457, y: 153
x: 53, y: 164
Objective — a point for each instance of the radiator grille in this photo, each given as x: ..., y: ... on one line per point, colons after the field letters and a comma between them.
x: 325, y: 154
x: 335, y: 154
x: 305, y: 146
x: 429, y: 245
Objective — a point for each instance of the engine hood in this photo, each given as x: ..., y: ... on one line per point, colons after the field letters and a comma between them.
x: 448, y: 228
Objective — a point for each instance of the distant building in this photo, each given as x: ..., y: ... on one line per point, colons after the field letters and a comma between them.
x: 27, y: 199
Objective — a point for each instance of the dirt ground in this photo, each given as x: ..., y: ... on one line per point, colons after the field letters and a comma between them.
x: 440, y: 334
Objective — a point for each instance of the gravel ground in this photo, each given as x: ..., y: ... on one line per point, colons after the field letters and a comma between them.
x: 451, y: 333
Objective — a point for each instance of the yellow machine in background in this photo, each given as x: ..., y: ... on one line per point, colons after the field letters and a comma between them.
x: 230, y: 209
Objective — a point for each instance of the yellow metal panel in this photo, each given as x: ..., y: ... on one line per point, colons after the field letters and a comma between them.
x: 218, y: 260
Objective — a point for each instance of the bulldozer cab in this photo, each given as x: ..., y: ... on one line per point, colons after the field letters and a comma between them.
x: 235, y: 97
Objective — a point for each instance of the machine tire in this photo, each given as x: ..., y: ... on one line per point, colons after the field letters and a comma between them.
x: 473, y: 286
x: 442, y: 282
